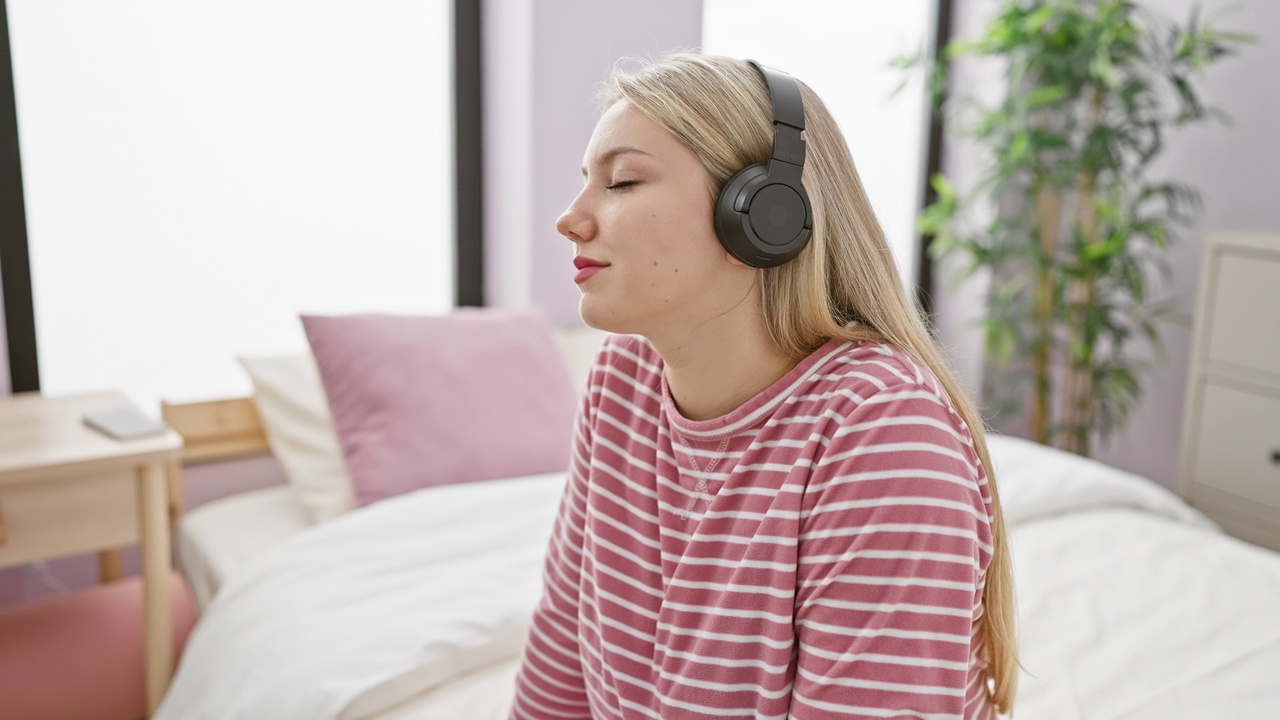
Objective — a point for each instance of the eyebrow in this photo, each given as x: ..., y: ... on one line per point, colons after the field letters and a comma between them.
x: 612, y: 153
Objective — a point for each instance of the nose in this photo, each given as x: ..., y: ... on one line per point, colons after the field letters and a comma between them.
x: 576, y: 222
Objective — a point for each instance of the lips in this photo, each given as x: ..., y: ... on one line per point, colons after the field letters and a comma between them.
x: 580, y: 262
x: 586, y: 268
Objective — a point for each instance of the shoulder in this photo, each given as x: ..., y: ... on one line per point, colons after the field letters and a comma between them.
x: 864, y: 376
x: 889, y: 417
x: 625, y: 357
x: 628, y: 349
x: 627, y: 371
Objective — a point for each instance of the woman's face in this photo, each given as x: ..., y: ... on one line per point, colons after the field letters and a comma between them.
x: 644, y: 215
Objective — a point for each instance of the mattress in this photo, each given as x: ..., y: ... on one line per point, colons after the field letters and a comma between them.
x: 221, y: 536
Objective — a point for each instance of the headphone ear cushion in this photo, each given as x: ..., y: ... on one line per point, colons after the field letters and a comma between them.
x: 732, y: 219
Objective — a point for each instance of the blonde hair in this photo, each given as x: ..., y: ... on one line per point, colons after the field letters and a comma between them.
x: 720, y: 108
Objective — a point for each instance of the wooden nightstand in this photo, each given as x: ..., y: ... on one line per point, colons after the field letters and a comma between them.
x: 1231, y: 436
x: 66, y: 489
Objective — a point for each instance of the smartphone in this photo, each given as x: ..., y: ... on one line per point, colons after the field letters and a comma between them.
x: 124, y: 423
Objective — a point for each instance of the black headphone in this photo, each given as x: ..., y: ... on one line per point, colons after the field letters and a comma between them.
x: 762, y: 216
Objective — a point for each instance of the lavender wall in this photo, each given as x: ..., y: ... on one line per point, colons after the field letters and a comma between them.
x: 1237, y: 170
x: 543, y: 63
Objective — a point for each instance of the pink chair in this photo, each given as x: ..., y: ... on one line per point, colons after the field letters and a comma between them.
x: 81, y: 654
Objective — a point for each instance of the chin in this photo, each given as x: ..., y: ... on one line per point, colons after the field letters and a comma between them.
x: 598, y: 315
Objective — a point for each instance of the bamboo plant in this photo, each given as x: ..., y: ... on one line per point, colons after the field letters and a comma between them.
x: 1078, y: 238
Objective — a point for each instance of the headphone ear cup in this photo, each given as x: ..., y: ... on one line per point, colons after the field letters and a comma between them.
x: 732, y: 220
x: 761, y: 223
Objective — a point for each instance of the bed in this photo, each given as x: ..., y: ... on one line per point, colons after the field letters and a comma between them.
x: 1132, y: 604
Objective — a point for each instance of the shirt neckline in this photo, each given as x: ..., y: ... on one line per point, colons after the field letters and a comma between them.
x: 754, y: 411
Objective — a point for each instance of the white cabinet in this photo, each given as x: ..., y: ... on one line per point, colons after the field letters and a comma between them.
x: 1231, y: 431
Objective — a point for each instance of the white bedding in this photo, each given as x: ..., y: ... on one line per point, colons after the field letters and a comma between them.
x: 1129, y: 616
x: 220, y: 536
x: 1133, y: 606
x: 360, y: 613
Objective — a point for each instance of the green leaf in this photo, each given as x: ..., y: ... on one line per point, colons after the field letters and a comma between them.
x: 1000, y: 341
x: 1046, y: 95
x: 1018, y: 148
x: 1038, y: 19
x: 942, y: 186
x: 957, y: 48
x: 1235, y: 37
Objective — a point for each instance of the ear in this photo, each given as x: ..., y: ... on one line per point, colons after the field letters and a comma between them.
x: 733, y: 260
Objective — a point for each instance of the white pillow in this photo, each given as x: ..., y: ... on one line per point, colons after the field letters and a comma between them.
x: 580, y: 347
x: 295, y: 415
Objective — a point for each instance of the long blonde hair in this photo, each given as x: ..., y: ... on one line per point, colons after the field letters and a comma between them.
x: 720, y: 108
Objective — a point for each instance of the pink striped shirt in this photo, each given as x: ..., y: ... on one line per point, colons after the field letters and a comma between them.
x: 820, y: 552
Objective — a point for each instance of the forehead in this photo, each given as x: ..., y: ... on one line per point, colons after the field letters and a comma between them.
x: 624, y: 130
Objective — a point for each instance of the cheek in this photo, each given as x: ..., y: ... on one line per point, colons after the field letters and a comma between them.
x: 686, y: 233
x: 665, y: 274
x: 672, y: 245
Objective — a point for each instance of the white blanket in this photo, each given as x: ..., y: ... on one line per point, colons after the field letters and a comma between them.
x: 1036, y: 482
x: 1132, y: 605
x: 415, y: 607
x: 1128, y: 616
x: 362, y: 612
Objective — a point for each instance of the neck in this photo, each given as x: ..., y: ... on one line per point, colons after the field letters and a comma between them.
x: 720, y: 364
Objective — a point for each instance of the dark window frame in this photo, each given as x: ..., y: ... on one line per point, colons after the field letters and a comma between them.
x: 925, y: 281
x: 15, y: 261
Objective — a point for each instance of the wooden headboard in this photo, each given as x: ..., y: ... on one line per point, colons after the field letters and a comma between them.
x: 216, y: 430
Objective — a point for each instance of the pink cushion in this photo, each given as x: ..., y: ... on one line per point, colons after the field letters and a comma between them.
x: 82, y: 654
x: 420, y: 401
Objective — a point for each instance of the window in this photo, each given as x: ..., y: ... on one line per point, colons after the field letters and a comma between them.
x: 199, y: 173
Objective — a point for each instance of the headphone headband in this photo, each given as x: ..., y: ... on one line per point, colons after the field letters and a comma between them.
x: 788, y: 115
x: 762, y: 215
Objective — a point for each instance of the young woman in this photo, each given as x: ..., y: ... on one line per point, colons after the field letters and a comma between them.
x: 779, y: 503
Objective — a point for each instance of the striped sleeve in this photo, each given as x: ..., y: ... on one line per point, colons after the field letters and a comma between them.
x: 895, y: 538
x: 550, y: 682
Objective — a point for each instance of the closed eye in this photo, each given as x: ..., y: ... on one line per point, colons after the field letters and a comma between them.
x: 620, y: 185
